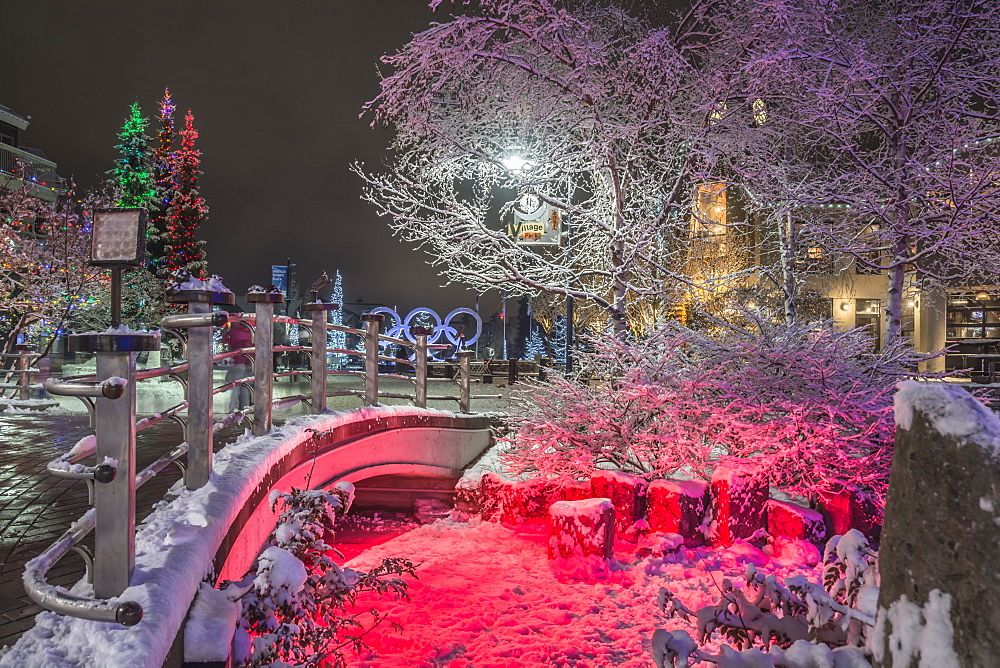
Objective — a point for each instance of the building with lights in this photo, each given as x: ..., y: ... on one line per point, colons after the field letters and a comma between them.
x: 20, y: 165
x: 964, y: 316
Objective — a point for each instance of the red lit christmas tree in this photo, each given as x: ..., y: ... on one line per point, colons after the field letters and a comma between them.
x: 187, y: 211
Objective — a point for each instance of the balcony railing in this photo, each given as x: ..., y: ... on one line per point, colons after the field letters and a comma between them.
x: 30, y: 168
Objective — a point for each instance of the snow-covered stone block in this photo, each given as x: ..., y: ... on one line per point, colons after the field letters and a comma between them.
x: 851, y: 508
x: 576, y: 490
x: 739, y: 505
x: 467, y: 496
x: 678, y: 507
x: 582, y: 528
x: 790, y: 520
x: 528, y: 501
x: 939, y: 603
x: 491, y: 503
x: 627, y: 494
x: 659, y: 544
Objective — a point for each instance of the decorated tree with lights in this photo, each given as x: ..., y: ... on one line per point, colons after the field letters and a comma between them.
x: 44, y: 272
x: 188, y: 210
x: 335, y: 338
x: 132, y: 176
x: 592, y: 110
x: 163, y: 175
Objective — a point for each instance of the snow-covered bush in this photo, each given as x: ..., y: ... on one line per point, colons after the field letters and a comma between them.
x: 795, y: 623
x: 295, y: 603
x: 807, y: 406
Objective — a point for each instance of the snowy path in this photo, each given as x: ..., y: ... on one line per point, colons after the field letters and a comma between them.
x: 487, y: 595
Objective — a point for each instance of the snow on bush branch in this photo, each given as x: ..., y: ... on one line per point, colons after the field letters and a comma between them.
x: 295, y: 605
x: 795, y: 623
x: 808, y: 406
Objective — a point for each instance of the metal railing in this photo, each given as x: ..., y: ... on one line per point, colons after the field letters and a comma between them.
x: 110, y: 396
x: 24, y: 369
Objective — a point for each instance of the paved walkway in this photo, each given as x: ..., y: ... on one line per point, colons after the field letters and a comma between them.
x: 36, y: 508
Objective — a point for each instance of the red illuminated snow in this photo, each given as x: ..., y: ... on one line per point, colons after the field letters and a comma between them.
x: 487, y: 595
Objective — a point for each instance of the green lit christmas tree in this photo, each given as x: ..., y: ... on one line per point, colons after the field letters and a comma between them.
x: 188, y: 210
x: 132, y: 175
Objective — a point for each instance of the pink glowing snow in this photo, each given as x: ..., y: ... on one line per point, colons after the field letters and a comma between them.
x: 487, y: 594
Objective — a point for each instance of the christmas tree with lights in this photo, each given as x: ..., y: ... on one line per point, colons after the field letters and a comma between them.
x: 132, y: 175
x: 187, y: 211
x: 335, y: 338
x: 163, y: 175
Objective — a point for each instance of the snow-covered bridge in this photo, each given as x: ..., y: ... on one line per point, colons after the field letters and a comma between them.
x: 217, y: 531
x: 212, y: 525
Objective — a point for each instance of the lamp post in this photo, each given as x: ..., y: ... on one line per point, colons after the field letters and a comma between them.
x: 516, y: 163
x: 118, y: 241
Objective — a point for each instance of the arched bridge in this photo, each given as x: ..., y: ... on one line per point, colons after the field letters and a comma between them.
x: 217, y: 531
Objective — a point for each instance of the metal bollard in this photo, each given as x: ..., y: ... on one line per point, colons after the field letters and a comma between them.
x: 200, y: 322
x: 317, y: 356
x: 263, y: 364
x: 543, y: 366
x: 23, y: 364
x: 372, y: 321
x: 420, y: 366
x: 464, y: 381
x: 114, y: 493
x: 512, y: 370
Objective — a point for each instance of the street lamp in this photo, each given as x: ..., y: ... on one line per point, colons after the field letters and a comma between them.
x: 118, y: 240
x: 537, y: 219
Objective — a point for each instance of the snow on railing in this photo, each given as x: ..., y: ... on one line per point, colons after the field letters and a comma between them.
x: 112, y: 482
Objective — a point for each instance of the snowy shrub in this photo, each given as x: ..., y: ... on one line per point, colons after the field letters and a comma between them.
x: 807, y: 406
x: 796, y: 622
x: 295, y: 603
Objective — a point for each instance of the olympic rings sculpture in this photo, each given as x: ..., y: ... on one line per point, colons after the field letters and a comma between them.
x: 401, y: 327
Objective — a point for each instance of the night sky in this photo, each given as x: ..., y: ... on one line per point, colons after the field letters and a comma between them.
x: 276, y: 89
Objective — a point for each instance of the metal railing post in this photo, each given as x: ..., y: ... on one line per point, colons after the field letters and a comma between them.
x: 23, y: 364
x: 263, y: 364
x: 317, y: 356
x: 372, y: 321
x: 199, y: 389
x: 464, y: 381
x: 201, y: 414
x: 114, y: 424
x: 420, y: 366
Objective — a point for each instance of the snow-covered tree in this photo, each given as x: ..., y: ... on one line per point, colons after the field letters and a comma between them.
x: 808, y: 407
x: 580, y: 104
x: 883, y: 122
x: 44, y: 272
x: 296, y: 602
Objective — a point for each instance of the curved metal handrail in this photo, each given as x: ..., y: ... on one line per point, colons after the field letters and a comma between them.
x: 57, y: 599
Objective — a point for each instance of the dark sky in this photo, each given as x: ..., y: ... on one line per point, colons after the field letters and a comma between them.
x: 276, y: 89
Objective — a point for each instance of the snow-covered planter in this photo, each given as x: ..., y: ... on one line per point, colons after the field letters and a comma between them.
x: 851, y: 508
x: 678, y: 506
x: 575, y: 490
x: 739, y: 505
x: 528, y: 501
x: 491, y: 503
x: 627, y: 494
x: 584, y: 528
x: 790, y: 520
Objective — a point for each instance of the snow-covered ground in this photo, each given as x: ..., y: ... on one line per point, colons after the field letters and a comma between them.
x: 487, y: 595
